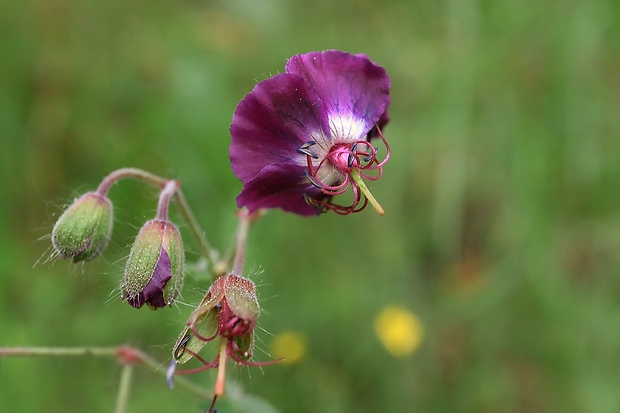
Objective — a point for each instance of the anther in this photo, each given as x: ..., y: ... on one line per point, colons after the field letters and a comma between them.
x: 180, y: 350
x: 308, y: 152
x: 313, y: 180
x: 305, y: 149
x: 170, y: 373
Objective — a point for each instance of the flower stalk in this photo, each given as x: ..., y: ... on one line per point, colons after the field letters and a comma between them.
x: 178, y: 198
x: 124, y: 353
x: 124, y: 387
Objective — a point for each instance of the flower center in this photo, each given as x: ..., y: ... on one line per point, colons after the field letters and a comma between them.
x: 344, y: 165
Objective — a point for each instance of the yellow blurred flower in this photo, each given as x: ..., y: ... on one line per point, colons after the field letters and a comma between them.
x: 289, y: 345
x: 399, y: 330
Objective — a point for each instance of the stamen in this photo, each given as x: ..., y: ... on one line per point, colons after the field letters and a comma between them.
x: 313, y: 180
x: 200, y: 336
x: 371, y: 155
x: 170, y: 373
x: 180, y: 350
x: 308, y: 152
x: 305, y: 149
x: 206, y: 365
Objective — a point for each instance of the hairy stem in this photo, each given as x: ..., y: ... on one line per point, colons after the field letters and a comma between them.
x: 246, y: 220
x: 123, y: 389
x: 165, y: 196
x: 192, y: 224
x: 175, y: 193
x: 126, y: 354
x: 133, y: 173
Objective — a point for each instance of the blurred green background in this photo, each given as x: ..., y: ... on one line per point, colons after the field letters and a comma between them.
x: 502, y: 199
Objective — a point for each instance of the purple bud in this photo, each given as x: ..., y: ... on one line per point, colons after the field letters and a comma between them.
x: 154, y: 270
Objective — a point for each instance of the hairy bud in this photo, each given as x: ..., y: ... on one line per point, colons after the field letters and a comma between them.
x: 83, y: 230
x: 154, y: 270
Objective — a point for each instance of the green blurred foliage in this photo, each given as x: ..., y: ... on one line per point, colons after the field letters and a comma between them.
x: 502, y: 199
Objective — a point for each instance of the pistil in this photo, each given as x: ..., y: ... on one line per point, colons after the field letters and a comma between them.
x: 357, y: 180
x: 221, y: 370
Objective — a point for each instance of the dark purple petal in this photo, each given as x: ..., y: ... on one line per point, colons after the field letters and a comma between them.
x: 153, y: 292
x: 350, y: 86
x: 272, y: 122
x: 280, y: 186
x: 383, y: 120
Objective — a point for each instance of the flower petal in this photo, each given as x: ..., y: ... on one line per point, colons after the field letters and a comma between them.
x: 355, y: 91
x: 272, y: 122
x: 153, y: 292
x: 280, y: 186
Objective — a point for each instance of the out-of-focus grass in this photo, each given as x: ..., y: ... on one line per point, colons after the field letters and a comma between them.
x: 502, y: 225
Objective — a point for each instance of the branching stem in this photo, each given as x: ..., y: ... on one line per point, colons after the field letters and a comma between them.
x: 171, y: 190
x: 126, y: 354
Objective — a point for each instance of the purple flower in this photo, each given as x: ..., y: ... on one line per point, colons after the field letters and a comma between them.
x: 301, y: 137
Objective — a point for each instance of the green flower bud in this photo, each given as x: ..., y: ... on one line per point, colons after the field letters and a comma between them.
x: 84, y: 229
x: 154, y: 270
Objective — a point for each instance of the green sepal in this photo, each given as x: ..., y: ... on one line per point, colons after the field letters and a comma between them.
x: 83, y: 231
x: 204, y: 320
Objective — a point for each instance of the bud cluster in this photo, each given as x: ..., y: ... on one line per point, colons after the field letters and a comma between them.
x: 154, y: 271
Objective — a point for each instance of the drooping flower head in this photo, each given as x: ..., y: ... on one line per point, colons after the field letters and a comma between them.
x: 304, y: 136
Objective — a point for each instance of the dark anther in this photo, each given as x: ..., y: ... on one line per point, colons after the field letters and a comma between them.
x: 370, y: 155
x: 305, y: 149
x: 320, y: 208
x: 308, y: 153
x: 350, y: 160
x: 313, y: 180
x: 180, y: 350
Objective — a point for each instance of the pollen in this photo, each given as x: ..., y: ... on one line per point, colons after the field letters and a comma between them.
x: 289, y: 345
x: 399, y: 330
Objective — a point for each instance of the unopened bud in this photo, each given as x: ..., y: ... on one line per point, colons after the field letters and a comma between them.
x: 84, y: 229
x: 154, y: 270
